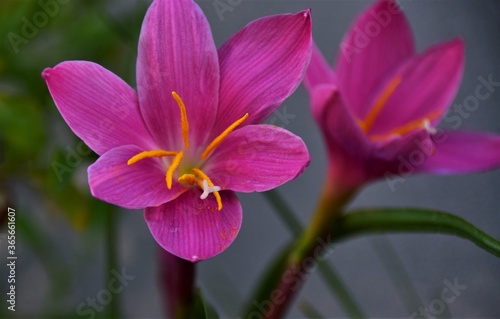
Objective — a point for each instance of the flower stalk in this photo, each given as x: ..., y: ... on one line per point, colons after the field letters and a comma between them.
x: 322, y: 225
x: 309, y: 244
x: 177, y: 278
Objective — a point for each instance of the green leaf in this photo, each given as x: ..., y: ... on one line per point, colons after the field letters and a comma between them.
x: 21, y: 132
x: 383, y: 220
x: 201, y: 308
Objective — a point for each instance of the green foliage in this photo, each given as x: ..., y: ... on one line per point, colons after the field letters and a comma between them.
x: 34, y: 139
x: 202, y: 309
x: 412, y: 220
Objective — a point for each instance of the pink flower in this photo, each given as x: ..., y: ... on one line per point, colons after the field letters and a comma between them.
x: 190, y: 136
x: 378, y: 110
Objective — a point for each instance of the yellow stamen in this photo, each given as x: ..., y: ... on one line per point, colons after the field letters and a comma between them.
x: 187, y: 178
x: 184, y: 120
x: 222, y: 136
x: 205, y: 177
x: 379, y: 104
x: 190, y: 179
x: 408, y: 127
x: 148, y: 154
x: 170, y: 172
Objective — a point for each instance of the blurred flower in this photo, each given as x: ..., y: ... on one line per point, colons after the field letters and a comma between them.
x: 190, y: 136
x: 378, y: 110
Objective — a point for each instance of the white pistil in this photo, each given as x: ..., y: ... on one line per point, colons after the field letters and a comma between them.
x: 427, y: 126
x: 208, y: 189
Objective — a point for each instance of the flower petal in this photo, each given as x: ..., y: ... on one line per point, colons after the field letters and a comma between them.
x: 378, y: 41
x: 395, y: 146
x: 98, y: 106
x: 428, y: 85
x: 261, y: 66
x: 257, y: 158
x: 193, y: 228
x: 348, y: 148
x: 338, y: 123
x: 177, y: 53
x: 135, y: 186
x: 318, y: 72
x: 464, y: 152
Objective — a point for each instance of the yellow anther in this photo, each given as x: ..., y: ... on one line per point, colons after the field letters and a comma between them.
x: 187, y: 179
x: 190, y: 179
x: 379, y: 104
x: 204, y: 176
x: 222, y: 136
x: 170, y: 172
x: 408, y: 127
x: 184, y: 120
x: 149, y: 154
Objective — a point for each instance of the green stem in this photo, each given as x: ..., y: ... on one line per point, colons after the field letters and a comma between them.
x: 302, y: 249
x: 329, y: 224
x: 322, y: 224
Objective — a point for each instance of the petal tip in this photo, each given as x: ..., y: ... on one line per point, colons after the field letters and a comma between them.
x: 455, y: 49
x: 303, y: 16
x: 194, y: 259
x: 46, y: 73
x: 458, y: 43
x: 393, y: 5
x: 306, y: 13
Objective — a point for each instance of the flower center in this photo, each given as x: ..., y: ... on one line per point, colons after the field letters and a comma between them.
x: 367, y: 124
x: 198, y: 177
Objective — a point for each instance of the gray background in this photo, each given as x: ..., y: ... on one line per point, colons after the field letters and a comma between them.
x: 229, y: 278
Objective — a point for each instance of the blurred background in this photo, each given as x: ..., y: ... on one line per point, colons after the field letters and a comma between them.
x: 69, y: 244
